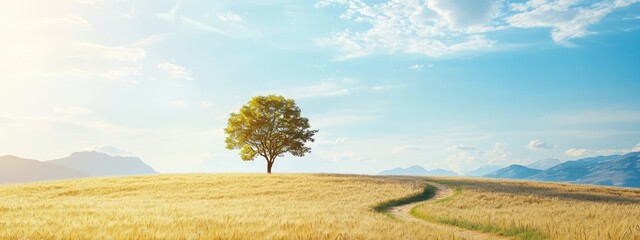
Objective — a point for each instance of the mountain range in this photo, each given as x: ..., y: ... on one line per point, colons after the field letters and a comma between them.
x: 614, y: 170
x: 77, y: 165
x: 416, y: 170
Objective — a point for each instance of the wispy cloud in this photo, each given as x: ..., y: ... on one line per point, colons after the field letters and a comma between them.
x: 131, y: 14
x: 462, y: 147
x: 416, y: 67
x: 92, y: 51
x: 538, y: 144
x: 567, y: 19
x: 583, y: 152
x: 171, y: 14
x: 71, y: 20
x: 229, y: 17
x: 178, y: 103
x: 438, y: 28
x: 203, y: 26
x: 175, y: 71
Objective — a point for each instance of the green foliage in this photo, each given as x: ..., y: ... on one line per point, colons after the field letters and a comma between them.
x: 269, y: 126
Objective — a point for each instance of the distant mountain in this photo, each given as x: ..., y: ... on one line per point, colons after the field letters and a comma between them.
x: 615, y: 170
x: 17, y: 170
x: 416, y: 170
x: 102, y: 165
x: 513, y: 172
x: 484, y: 170
x: 571, y: 170
x: 544, y: 164
x: 624, y: 171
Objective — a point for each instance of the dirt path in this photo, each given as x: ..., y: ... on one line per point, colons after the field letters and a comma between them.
x: 402, y: 212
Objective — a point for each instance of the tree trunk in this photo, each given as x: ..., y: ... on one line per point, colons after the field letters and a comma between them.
x: 269, y: 165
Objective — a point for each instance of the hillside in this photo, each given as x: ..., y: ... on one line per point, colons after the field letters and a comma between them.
x: 615, y: 170
x: 544, y: 164
x: 103, y: 165
x: 484, y: 170
x: 16, y: 170
x: 513, y: 172
x: 416, y: 170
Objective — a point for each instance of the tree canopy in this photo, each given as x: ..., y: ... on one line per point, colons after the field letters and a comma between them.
x: 269, y: 126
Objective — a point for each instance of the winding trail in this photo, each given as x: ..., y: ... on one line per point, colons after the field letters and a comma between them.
x: 402, y: 212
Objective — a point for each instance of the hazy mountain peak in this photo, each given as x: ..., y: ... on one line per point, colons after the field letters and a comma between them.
x: 513, y: 172
x: 101, y: 164
x: 483, y: 170
x: 417, y: 170
x: 16, y: 170
x: 544, y: 164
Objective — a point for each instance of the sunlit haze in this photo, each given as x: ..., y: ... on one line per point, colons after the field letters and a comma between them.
x: 387, y: 83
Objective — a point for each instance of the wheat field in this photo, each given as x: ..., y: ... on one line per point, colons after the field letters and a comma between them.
x: 308, y: 206
x: 544, y: 210
x: 207, y: 206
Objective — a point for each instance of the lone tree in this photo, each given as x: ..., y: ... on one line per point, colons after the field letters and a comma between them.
x: 269, y: 126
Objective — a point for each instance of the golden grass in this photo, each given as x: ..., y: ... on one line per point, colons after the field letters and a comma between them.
x: 555, y: 211
x: 241, y: 206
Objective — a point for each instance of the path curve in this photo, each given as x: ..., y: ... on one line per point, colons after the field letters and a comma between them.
x: 402, y: 212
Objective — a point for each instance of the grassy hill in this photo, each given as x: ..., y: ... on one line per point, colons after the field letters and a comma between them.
x: 308, y: 206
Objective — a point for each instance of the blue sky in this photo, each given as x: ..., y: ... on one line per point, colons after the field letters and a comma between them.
x: 441, y: 84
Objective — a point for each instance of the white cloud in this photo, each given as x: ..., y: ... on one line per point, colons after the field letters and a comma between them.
x: 229, y: 17
x: 175, y: 71
x: 460, y: 14
x: 462, y: 148
x: 582, y: 152
x: 111, y: 150
x: 499, y: 154
x: 72, y: 20
x: 131, y: 14
x: 178, y: 103
x: 149, y: 40
x: 92, y: 51
x: 443, y: 27
x: 326, y: 88
x: 205, y: 104
x: 568, y: 19
x: 636, y: 148
x: 335, y: 142
x: 203, y: 26
x: 538, y: 144
x: 121, y: 72
x: 416, y: 67
x: 434, y: 29
x: 171, y: 14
